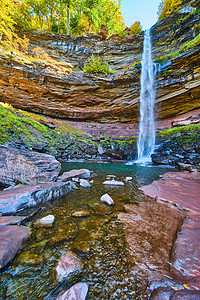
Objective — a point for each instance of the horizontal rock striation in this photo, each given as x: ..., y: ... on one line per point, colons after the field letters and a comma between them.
x: 23, y: 166
x: 20, y: 197
x: 79, y: 96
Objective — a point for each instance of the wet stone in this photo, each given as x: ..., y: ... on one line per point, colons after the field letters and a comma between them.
x: 78, y: 291
x: 81, y: 214
x: 65, y: 233
x: 30, y: 258
x: 82, y: 248
x: 46, y: 221
x: 69, y: 265
x: 11, y: 239
x: 107, y: 199
x: 84, y: 183
x: 113, y: 182
x: 100, y: 210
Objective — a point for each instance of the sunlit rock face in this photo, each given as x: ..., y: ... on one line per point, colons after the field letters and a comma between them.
x: 79, y: 96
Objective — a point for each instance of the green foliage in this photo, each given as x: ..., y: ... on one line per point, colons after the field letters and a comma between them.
x: 168, y: 7
x: 82, y: 16
x: 187, y: 46
x: 95, y: 66
x: 136, y: 28
x: 7, y: 22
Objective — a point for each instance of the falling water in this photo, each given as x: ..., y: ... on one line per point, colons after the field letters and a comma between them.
x: 146, y: 140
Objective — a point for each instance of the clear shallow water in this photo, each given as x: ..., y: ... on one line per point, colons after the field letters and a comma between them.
x: 107, y: 266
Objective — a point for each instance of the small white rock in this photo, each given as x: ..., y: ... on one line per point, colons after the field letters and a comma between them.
x: 46, y: 221
x: 100, y: 150
x: 85, y: 183
x: 128, y: 178
x: 75, y: 179
x: 107, y: 199
x: 113, y: 182
x: 110, y: 176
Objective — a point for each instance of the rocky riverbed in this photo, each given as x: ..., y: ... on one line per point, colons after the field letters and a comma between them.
x: 130, y: 245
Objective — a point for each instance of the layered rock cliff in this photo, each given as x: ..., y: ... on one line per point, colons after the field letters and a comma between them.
x: 79, y: 96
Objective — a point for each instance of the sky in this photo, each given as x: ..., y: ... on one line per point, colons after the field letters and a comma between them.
x: 144, y: 11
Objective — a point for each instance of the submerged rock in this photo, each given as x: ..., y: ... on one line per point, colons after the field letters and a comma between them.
x: 113, y: 182
x: 107, y: 199
x: 81, y: 214
x: 26, y: 166
x: 69, y: 265
x: 78, y: 291
x: 11, y: 239
x: 100, y: 210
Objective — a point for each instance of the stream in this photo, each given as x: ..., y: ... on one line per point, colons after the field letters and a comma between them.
x: 97, y: 239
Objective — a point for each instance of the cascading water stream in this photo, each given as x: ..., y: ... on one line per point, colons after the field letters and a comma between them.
x: 146, y: 140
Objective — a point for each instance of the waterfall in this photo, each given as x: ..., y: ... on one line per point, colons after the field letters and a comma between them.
x: 146, y: 140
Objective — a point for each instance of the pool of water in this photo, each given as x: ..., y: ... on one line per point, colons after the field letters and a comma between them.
x: 98, y: 240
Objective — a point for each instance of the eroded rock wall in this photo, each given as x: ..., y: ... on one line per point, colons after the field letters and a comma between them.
x: 79, y: 96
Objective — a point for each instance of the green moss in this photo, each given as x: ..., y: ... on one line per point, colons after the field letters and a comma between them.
x: 182, y: 129
x: 32, y: 129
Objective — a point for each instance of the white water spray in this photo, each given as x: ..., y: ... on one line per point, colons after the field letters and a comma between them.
x: 146, y: 140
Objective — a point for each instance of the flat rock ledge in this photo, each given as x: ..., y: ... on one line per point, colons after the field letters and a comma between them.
x: 11, y: 239
x: 22, y: 196
x: 182, y: 189
x: 26, y: 166
x: 81, y: 173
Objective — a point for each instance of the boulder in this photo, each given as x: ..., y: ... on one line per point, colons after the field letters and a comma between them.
x: 84, y: 183
x: 46, y: 221
x: 107, y: 199
x: 78, y: 291
x: 26, y: 166
x: 11, y: 200
x: 69, y: 265
x: 11, y: 239
x: 82, y: 173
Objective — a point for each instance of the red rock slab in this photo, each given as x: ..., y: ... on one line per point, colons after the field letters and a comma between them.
x: 182, y: 190
x: 11, y: 239
x: 178, y: 188
x: 150, y: 228
x: 10, y: 220
x: 187, y: 251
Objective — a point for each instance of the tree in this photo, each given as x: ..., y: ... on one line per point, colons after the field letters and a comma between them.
x: 166, y: 7
x: 7, y: 8
x: 135, y: 28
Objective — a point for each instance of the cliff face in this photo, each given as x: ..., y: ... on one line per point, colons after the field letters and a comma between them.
x: 80, y: 96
